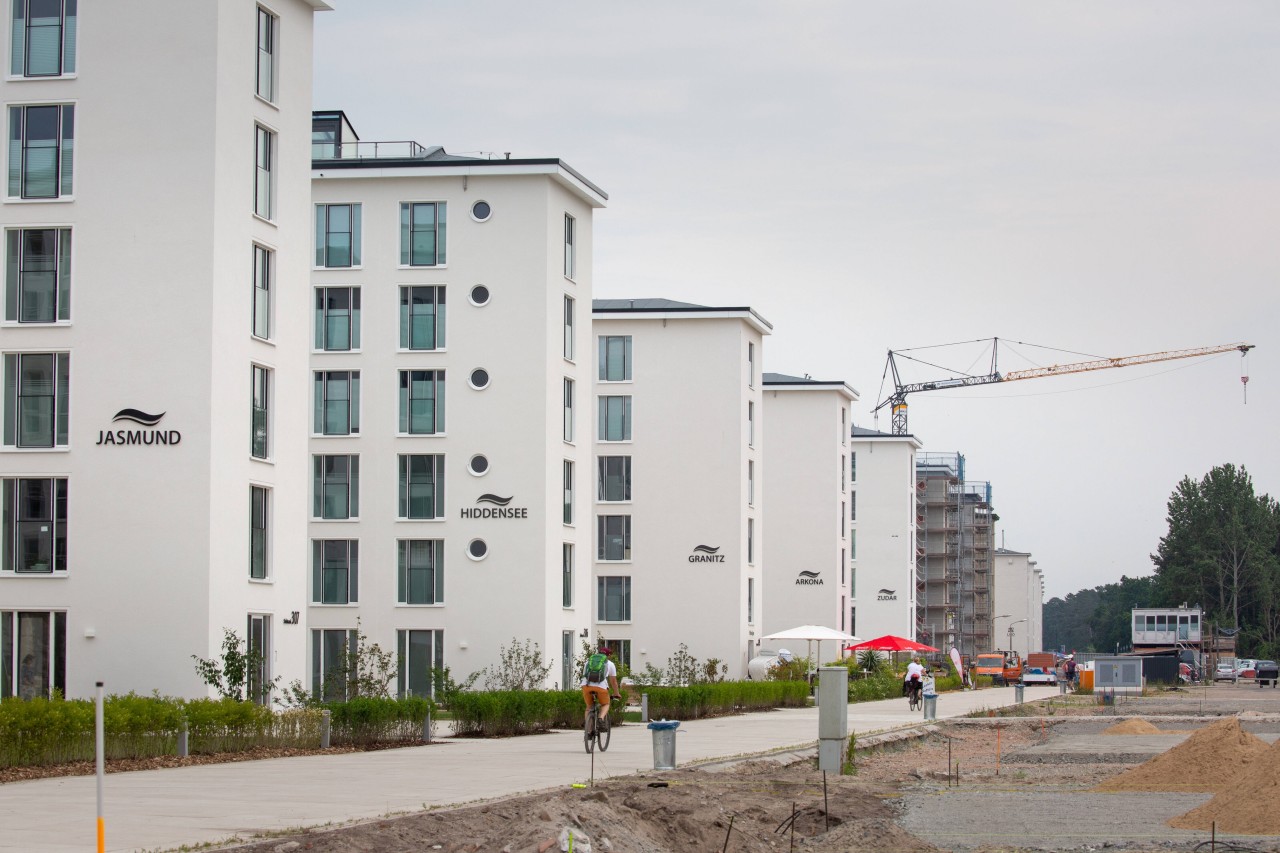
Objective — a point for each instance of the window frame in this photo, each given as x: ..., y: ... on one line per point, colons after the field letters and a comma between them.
x: 16, y: 274
x: 603, y: 476
x: 569, y: 306
x: 567, y: 474
x: 606, y: 419
x: 13, y: 518
x: 63, y: 148
x: 405, y: 485
x: 407, y: 660
x: 323, y: 232
x: 408, y: 380
x: 623, y: 594
x: 264, y: 171
x: 569, y: 419
x: 52, y: 648
x: 567, y: 566
x: 605, y: 359
x: 263, y: 273
x: 259, y: 532
x: 438, y: 313
x: 320, y: 386
x: 440, y: 228
x: 59, y: 418
x: 433, y: 572
x: 320, y: 483
x: 20, y: 57
x: 322, y: 313
x: 270, y: 52
x: 570, y: 247
x: 260, y: 444
x: 321, y: 639
x: 321, y: 572
x: 603, y: 523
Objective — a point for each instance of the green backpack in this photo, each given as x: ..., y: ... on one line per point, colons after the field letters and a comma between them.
x: 597, y: 665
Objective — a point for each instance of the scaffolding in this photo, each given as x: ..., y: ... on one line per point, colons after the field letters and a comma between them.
x: 955, y: 540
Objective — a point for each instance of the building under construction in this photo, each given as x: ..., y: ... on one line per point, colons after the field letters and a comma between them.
x: 955, y: 542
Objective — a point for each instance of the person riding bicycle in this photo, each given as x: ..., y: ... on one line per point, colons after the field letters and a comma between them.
x: 913, y: 681
x: 599, y: 681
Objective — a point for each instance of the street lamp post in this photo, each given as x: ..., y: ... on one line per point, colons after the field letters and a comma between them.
x: 1011, y: 624
x: 994, y: 630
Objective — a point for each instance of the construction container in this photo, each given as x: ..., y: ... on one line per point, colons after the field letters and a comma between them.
x: 1086, y: 679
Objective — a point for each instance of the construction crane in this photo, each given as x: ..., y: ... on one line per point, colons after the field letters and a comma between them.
x: 897, y: 400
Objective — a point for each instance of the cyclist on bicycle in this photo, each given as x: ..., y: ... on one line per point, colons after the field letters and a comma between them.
x: 599, y: 682
x: 913, y: 681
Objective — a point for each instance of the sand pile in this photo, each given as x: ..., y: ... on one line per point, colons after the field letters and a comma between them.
x: 1210, y: 760
x: 1247, y: 806
x: 1132, y: 727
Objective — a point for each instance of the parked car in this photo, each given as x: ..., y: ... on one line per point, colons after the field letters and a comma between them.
x: 1266, y: 673
x: 1245, y: 667
x: 1225, y: 672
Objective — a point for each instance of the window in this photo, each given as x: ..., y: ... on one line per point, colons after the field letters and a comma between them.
x: 615, y: 358
x: 259, y: 508
x: 421, y: 402
x: 751, y: 540
x: 337, y: 402
x: 844, y: 527
x: 421, y: 486
x: 34, y: 525
x: 337, y: 319
x: 568, y: 327
x: 844, y: 566
x: 568, y: 410
x: 420, y: 653
x: 570, y: 236
x: 613, y: 599
x: 853, y: 620
x: 258, y: 646
x: 844, y: 483
x: 336, y: 487
x: 264, y: 143
x: 844, y: 425
x: 262, y: 264
x: 337, y: 235
x: 421, y: 571
x: 41, y: 150
x: 335, y: 571
x: 853, y: 544
x: 44, y: 38
x: 751, y: 423
x: 568, y: 492
x: 615, y: 418
x: 751, y: 364
x: 613, y: 537
x: 422, y: 232
x: 751, y: 482
x: 614, y: 478
x: 751, y: 601
x: 566, y: 574
x: 842, y: 613
x: 853, y: 507
x: 422, y: 318
x: 853, y: 467
x: 33, y: 654
x: 620, y: 649
x: 36, y: 392
x: 332, y: 653
x: 566, y: 659
x: 38, y: 275
x: 853, y: 586
x: 265, y: 82
x: 260, y: 442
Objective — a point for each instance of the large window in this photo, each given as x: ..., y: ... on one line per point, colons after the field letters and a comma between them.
x: 336, y: 487
x: 268, y: 30
x: 41, y: 150
x: 751, y: 482
x: 615, y: 418
x: 751, y: 601
x: 335, y: 571
x: 421, y: 402
x: 613, y: 599
x: 260, y: 441
x: 258, y: 644
x: 751, y: 540
x: 566, y: 574
x: 259, y: 531
x: 613, y: 475
x: 751, y: 364
x: 263, y: 264
x: 337, y: 319
x: 568, y: 410
x: 36, y: 394
x: 34, y: 525
x: 420, y: 653
x: 264, y: 145
x: 421, y: 486
x: 751, y: 423
x: 422, y: 234
x: 570, y: 242
x: 421, y: 576
x: 620, y: 650
x: 38, y: 275
x: 43, y: 38
x: 568, y: 327
x: 422, y: 313
x: 337, y: 235
x: 337, y: 402
x: 613, y: 537
x: 568, y: 492
x: 33, y: 653
x: 615, y: 358
x: 333, y: 653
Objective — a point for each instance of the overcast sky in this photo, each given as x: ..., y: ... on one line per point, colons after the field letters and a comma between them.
x: 1098, y: 177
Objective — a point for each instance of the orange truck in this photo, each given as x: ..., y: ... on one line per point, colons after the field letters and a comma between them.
x: 1002, y: 667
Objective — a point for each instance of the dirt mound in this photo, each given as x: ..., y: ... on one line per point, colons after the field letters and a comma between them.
x: 1211, y: 759
x: 1247, y: 805
x: 1132, y: 727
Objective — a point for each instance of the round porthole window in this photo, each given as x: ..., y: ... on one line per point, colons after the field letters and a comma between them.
x: 477, y: 549
x: 479, y: 295
x: 481, y: 211
x: 479, y: 464
x: 479, y: 379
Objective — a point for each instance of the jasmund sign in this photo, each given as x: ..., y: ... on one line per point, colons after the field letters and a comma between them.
x: 138, y: 436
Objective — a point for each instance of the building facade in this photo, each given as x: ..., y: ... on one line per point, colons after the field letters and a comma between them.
x: 1018, y: 602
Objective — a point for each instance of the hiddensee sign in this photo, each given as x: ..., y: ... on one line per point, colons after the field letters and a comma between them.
x: 498, y: 508
x: 150, y: 436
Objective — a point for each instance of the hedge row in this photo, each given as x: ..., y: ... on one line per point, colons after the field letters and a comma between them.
x: 56, y: 731
x: 724, y: 697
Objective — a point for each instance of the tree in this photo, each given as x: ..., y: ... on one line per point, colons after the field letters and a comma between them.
x: 232, y: 673
x: 520, y: 667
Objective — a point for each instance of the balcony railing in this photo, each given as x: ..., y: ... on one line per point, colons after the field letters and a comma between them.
x: 396, y: 150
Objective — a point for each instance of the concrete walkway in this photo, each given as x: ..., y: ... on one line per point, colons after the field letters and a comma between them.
x: 164, y: 809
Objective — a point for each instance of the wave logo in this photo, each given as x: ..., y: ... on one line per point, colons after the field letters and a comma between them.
x: 706, y: 554
x: 494, y: 499
x: 705, y: 549
x: 809, y: 579
x: 137, y: 416
x: 887, y: 595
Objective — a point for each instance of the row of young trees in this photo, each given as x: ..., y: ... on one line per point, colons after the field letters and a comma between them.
x: 1221, y: 552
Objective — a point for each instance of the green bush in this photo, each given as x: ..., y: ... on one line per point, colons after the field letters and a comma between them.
x: 880, y: 685
x: 724, y: 697
x: 366, y: 720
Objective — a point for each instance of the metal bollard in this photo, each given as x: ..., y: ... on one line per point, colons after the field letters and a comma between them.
x: 1062, y: 686
x: 183, y: 750
x: 324, y: 729
x: 426, y: 728
x: 1018, y: 693
x: 644, y: 707
x: 931, y: 707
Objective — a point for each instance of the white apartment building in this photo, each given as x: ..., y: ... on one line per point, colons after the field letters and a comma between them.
x: 883, y: 536
x: 451, y: 409
x: 154, y: 340
x: 808, y: 479
x: 1018, y: 602
x: 678, y: 504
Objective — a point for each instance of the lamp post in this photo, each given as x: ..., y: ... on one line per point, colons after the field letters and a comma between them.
x: 1011, y: 624
x: 993, y: 625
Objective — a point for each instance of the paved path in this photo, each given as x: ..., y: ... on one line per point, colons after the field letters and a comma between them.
x: 164, y: 809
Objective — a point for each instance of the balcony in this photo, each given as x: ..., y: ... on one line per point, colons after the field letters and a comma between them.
x: 396, y: 150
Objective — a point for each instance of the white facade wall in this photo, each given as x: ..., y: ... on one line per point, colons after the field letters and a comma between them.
x: 691, y: 388
x: 1018, y: 602
x: 807, y: 481
x: 162, y: 235
x: 884, y: 546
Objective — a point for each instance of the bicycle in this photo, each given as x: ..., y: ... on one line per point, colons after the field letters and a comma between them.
x: 597, y: 729
x: 913, y: 695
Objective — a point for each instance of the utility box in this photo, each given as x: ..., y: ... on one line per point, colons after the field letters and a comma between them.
x: 1119, y: 674
x: 833, y: 703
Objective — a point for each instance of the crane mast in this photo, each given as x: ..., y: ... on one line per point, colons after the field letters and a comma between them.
x: 897, y: 400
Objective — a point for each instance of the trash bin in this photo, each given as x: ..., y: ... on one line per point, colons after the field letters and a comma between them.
x: 1017, y: 693
x: 1062, y: 686
x: 930, y: 706
x: 664, y: 743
